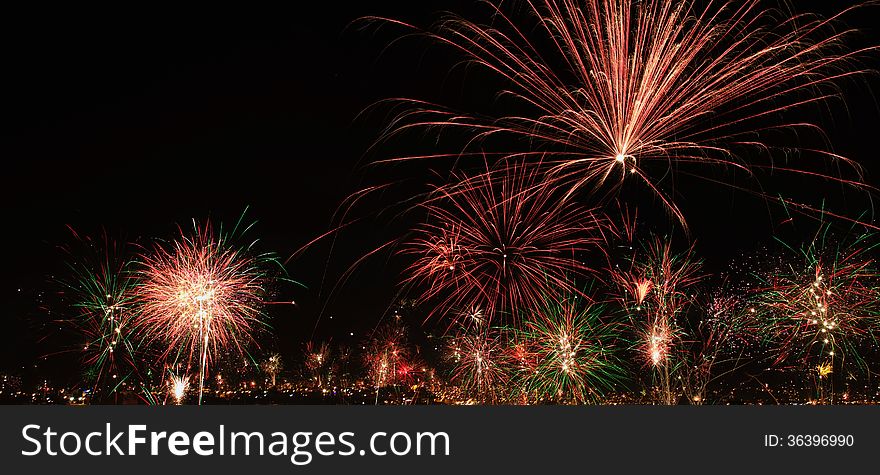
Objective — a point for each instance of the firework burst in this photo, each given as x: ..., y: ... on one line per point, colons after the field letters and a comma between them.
x: 199, y: 297
x: 102, y: 289
x: 571, y: 348
x: 724, y: 330
x: 657, y: 290
x: 498, y: 244
x: 821, y: 306
x: 616, y: 90
x: 272, y: 366
x: 387, y: 357
x: 178, y: 387
x: 317, y: 361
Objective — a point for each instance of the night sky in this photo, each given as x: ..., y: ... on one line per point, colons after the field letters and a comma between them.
x: 134, y: 120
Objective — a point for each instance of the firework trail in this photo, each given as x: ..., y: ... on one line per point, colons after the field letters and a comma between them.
x: 102, y: 289
x: 199, y: 297
x: 387, y: 356
x: 821, y: 305
x: 569, y: 347
x: 609, y: 91
x: 340, y: 370
x: 497, y: 244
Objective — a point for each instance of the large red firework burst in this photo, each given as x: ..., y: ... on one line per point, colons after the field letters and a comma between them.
x: 615, y: 89
x: 199, y: 297
x: 498, y: 243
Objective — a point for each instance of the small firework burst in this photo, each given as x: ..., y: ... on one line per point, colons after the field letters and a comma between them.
x: 317, y: 361
x: 656, y: 343
x: 272, y: 366
x: 178, y: 387
x: 477, y: 357
x: 387, y: 356
x: 820, y: 306
x: 724, y: 328
x: 474, y: 316
x: 657, y: 286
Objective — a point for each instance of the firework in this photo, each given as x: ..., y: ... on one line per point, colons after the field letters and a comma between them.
x: 726, y: 328
x: 102, y: 289
x: 272, y: 366
x: 340, y: 370
x: 657, y: 284
x: 615, y: 90
x: 387, y: 356
x: 497, y: 244
x: 477, y: 357
x: 199, y: 297
x: 820, y: 306
x: 317, y: 361
x: 571, y: 348
x: 178, y: 387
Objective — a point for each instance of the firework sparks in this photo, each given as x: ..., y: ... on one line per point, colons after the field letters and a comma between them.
x: 317, y: 361
x: 656, y: 309
x: 641, y: 289
x: 725, y: 330
x: 657, y: 345
x: 102, y: 289
x: 199, y: 297
x: 387, y: 357
x: 272, y: 366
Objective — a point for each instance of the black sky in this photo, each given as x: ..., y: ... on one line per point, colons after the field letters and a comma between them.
x: 135, y: 119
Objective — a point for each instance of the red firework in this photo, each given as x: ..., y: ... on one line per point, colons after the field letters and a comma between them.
x: 199, y: 297
x: 499, y: 244
x: 671, y: 278
x: 387, y: 355
x: 625, y: 90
